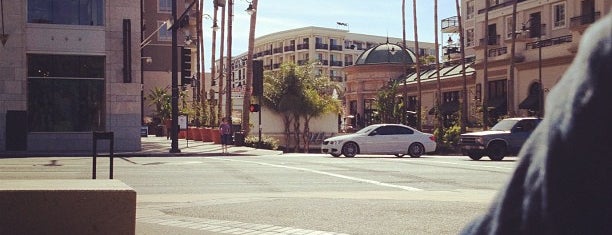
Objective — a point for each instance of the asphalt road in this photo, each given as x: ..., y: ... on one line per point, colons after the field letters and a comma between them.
x: 291, y: 193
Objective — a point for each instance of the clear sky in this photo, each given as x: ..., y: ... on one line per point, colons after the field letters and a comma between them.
x: 381, y: 18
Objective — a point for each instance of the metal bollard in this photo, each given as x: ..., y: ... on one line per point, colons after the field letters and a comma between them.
x: 99, y: 135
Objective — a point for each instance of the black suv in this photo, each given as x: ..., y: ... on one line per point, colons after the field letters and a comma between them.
x: 505, y: 138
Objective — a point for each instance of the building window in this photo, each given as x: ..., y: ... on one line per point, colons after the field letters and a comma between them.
x: 558, y: 15
x: 470, y: 9
x: 509, y: 27
x: 163, y: 34
x: 164, y: 5
x: 469, y: 37
x: 76, y: 12
x: 497, y: 89
x: 65, y: 93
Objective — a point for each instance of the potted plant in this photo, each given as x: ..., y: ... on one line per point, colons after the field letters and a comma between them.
x: 160, y: 99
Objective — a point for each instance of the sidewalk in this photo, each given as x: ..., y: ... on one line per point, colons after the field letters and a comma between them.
x: 160, y: 146
x: 153, y: 146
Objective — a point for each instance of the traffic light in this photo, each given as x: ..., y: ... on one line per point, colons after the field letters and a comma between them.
x: 254, y: 108
x: 185, y: 66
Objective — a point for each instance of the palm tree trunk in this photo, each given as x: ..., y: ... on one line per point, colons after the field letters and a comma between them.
x: 296, y: 132
x: 221, y: 66
x: 439, y: 96
x: 464, y: 104
x: 249, y: 78
x: 418, y: 66
x: 200, y: 59
x: 405, y: 88
x: 510, y: 88
x: 200, y: 45
x: 228, y: 76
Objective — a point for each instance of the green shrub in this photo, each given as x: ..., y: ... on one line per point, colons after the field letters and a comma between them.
x: 266, y: 142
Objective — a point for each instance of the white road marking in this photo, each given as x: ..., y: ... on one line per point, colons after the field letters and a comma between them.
x: 374, y: 182
x: 225, y: 226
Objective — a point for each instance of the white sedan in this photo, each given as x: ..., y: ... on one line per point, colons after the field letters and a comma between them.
x: 395, y: 139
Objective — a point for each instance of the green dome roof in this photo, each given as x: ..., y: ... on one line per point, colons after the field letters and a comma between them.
x: 386, y: 54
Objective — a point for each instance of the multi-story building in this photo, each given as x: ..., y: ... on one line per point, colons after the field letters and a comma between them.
x: 330, y: 51
x: 156, y: 50
x: 547, y: 36
x: 69, y: 68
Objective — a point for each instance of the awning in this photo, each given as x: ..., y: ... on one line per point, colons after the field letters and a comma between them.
x: 446, y: 108
x: 532, y: 102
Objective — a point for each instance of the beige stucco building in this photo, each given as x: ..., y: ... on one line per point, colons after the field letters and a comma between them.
x: 547, y: 38
x: 68, y: 71
x: 331, y: 51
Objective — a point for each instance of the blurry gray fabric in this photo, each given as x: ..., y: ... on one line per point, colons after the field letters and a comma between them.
x: 563, y: 181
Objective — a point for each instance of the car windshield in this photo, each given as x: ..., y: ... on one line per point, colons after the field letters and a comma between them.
x: 365, y: 130
x: 504, y: 125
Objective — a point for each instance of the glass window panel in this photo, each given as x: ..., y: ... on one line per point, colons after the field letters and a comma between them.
x: 69, y: 12
x: 65, y: 93
x: 39, y: 11
x: 165, y: 5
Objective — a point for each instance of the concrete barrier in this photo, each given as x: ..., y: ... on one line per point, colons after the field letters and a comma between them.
x: 67, y: 207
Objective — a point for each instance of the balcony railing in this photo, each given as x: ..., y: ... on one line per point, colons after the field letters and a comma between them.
x: 584, y: 19
x: 491, y: 40
x: 335, y: 47
x: 322, y: 46
x: 336, y: 63
x: 303, y: 46
x: 450, y: 22
x: 548, y: 42
x: 290, y: 48
x: 499, y: 5
x: 277, y: 50
x: 498, y: 51
x: 348, y: 63
x: 302, y: 62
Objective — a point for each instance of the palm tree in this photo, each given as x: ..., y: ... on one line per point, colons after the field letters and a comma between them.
x: 386, y: 103
x: 249, y: 78
x: 160, y: 98
x: 439, y: 96
x: 418, y: 66
x: 228, y: 76
x: 485, y: 83
x: 405, y: 88
x: 512, y: 54
x: 281, y: 95
x: 318, y: 99
x: 464, y: 105
x: 221, y: 66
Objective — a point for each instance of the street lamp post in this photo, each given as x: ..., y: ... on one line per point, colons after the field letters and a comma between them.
x: 174, y: 133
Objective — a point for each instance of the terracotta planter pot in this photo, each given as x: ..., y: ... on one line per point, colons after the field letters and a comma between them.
x: 216, y: 137
x: 202, y: 131
x: 192, y: 133
x: 182, y: 134
x: 207, y: 137
x: 197, y: 135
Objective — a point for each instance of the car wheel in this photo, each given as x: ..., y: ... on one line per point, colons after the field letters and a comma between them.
x: 497, y: 151
x: 416, y: 150
x: 475, y: 156
x: 350, y: 149
x: 335, y: 155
